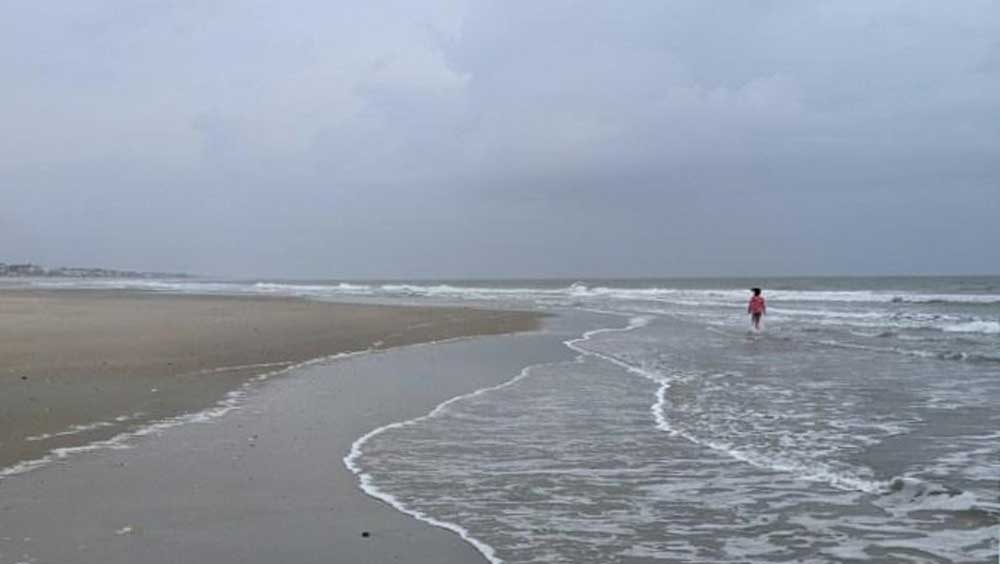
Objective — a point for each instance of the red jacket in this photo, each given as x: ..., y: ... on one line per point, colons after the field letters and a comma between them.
x: 757, y: 305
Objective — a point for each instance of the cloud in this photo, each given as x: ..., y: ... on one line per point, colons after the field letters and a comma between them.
x: 334, y: 134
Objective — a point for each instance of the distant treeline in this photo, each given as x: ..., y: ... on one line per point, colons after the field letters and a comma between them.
x: 34, y: 270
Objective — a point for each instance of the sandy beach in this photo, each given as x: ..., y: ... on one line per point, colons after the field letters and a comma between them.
x: 83, y: 366
x: 267, y: 483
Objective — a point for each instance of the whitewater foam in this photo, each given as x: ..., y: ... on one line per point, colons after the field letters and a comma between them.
x: 577, y: 290
x: 978, y: 326
x: 367, y: 485
x: 85, y: 428
x: 366, y: 481
x: 812, y: 472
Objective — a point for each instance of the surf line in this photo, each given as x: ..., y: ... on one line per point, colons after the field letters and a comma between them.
x: 821, y: 473
x: 231, y: 401
x: 635, y: 322
x: 366, y: 481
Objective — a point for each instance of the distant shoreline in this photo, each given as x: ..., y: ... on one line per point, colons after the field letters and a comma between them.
x: 31, y: 270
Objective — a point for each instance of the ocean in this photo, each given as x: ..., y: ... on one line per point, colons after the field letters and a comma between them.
x: 861, y: 424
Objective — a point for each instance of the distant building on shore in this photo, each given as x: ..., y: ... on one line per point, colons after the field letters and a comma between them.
x: 34, y: 270
x: 21, y: 270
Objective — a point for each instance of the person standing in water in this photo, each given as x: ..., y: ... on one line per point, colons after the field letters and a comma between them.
x: 756, y: 308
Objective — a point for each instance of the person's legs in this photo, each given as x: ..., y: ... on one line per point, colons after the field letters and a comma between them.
x: 755, y: 320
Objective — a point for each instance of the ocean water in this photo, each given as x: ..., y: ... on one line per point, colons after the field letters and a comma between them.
x: 862, y: 424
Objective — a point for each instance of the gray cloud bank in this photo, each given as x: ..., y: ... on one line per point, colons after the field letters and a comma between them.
x: 453, y: 139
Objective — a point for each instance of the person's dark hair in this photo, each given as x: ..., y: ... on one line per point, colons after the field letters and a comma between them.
x: 756, y: 291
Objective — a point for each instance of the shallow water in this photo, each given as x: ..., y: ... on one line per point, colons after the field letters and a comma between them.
x: 685, y: 438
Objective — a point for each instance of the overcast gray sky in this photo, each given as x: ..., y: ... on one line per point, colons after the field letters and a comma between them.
x: 479, y: 139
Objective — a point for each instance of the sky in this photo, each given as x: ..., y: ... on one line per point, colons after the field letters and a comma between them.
x: 452, y: 139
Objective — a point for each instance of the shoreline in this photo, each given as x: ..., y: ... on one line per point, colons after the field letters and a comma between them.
x: 83, y: 367
x: 268, y: 482
x: 364, y: 479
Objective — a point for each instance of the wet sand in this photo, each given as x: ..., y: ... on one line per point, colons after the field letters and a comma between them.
x: 266, y: 483
x: 83, y: 366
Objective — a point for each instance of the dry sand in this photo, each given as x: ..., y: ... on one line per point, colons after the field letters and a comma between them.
x: 71, y: 362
